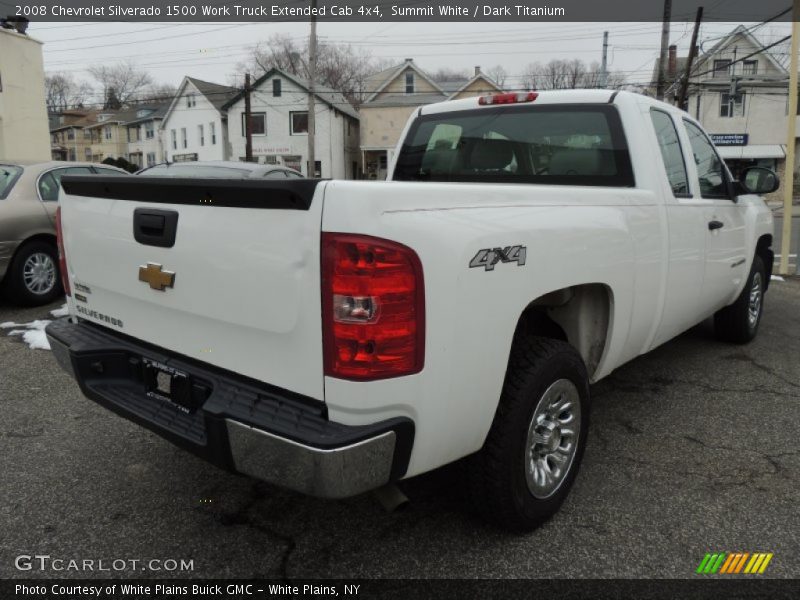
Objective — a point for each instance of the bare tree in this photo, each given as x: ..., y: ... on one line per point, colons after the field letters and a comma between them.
x: 62, y: 92
x: 123, y: 81
x: 448, y: 74
x: 567, y: 75
x: 339, y: 66
x: 159, y: 92
x: 498, y: 74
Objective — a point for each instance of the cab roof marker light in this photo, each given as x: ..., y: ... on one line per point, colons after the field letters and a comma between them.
x: 510, y: 98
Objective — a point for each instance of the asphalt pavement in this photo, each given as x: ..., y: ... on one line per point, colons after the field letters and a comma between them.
x: 692, y: 449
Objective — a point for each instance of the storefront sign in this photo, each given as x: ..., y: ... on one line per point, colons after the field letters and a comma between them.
x: 729, y: 139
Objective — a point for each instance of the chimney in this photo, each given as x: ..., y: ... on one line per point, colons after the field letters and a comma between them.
x: 672, y: 63
x: 477, y: 70
x: 408, y: 60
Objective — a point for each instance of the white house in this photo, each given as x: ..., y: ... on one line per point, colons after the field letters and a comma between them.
x: 195, y: 125
x: 145, y: 147
x: 279, y: 108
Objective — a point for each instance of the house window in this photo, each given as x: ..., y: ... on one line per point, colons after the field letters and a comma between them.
x: 201, y: 135
x: 276, y: 87
x: 298, y: 122
x: 70, y: 134
x: 88, y: 153
x: 174, y: 135
x: 72, y: 154
x: 258, y: 124
x: 87, y: 134
x: 749, y: 67
x: 107, y: 132
x: 151, y: 159
x: 409, y: 82
x: 213, y: 128
x: 731, y: 106
x: 722, y: 68
x: 149, y: 130
x: 190, y: 100
x: 184, y: 139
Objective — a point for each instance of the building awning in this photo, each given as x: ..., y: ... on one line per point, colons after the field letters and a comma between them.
x: 751, y: 152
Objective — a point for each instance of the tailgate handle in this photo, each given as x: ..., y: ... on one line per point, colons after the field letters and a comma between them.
x: 153, y: 227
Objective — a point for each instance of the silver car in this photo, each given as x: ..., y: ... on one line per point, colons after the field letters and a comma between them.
x: 222, y: 169
x: 29, y: 273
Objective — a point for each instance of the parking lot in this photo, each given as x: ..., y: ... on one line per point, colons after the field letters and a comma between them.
x: 692, y: 449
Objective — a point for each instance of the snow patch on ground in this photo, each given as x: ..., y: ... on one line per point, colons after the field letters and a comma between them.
x: 777, y: 278
x: 32, y: 334
x: 60, y: 312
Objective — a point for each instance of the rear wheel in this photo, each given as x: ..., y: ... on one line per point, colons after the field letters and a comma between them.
x: 33, y: 278
x: 531, y: 456
x: 738, y: 323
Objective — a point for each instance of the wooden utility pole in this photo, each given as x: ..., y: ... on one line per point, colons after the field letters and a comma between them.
x: 662, y: 57
x: 690, y: 60
x: 312, y: 75
x: 788, y: 184
x: 248, y: 121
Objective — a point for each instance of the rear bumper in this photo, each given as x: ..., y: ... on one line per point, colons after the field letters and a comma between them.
x: 239, y: 424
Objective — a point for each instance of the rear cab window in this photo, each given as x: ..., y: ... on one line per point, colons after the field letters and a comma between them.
x: 8, y: 177
x: 577, y: 144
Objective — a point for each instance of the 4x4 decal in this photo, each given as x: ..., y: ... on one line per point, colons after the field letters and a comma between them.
x: 489, y: 257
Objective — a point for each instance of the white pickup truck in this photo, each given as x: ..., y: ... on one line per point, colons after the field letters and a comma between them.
x: 336, y: 336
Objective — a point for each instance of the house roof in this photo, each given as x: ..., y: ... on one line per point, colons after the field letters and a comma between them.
x: 680, y: 69
x: 217, y: 94
x: 328, y: 95
x: 730, y: 38
x: 378, y: 82
x: 85, y: 121
x: 158, y: 113
x: 466, y: 84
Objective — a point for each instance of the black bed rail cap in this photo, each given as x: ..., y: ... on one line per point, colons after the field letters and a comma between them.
x: 293, y: 194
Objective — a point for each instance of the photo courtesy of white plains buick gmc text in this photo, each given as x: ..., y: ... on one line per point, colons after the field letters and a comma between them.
x: 334, y: 337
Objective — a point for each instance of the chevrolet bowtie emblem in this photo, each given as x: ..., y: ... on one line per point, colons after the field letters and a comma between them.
x: 157, y: 278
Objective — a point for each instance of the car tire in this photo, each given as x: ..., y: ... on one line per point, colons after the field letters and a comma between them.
x: 738, y: 323
x: 33, y: 277
x: 539, y: 428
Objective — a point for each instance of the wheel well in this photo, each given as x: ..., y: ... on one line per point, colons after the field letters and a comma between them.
x: 579, y: 315
x: 39, y: 237
x: 764, y: 250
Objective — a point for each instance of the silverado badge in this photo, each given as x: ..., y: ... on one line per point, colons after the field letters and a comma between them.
x: 158, y: 279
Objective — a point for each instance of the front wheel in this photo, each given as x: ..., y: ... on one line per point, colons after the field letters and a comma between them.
x: 531, y: 456
x: 738, y: 323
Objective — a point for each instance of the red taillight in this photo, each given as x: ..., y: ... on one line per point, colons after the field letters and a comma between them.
x: 512, y: 98
x: 62, y: 256
x: 373, y: 308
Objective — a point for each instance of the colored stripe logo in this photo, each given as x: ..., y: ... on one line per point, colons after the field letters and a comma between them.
x: 733, y: 563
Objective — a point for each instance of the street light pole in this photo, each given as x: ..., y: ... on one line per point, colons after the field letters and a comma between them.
x: 312, y: 75
x: 788, y: 184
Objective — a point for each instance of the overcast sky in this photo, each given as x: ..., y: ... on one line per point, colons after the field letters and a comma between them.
x: 210, y: 51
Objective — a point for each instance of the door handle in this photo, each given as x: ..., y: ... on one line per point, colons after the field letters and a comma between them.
x: 712, y: 225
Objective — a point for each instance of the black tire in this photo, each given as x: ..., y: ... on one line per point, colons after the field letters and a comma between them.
x: 14, y: 282
x: 498, y: 474
x: 734, y: 323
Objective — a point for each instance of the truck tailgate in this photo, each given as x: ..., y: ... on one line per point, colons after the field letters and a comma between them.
x: 245, y: 294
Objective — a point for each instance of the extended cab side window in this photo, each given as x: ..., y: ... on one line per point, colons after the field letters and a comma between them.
x: 710, y: 170
x: 671, y: 153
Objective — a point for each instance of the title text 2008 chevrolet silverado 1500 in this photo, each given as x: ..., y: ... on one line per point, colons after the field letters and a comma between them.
x: 333, y: 336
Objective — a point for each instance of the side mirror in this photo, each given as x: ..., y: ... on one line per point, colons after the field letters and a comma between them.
x: 759, y: 180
